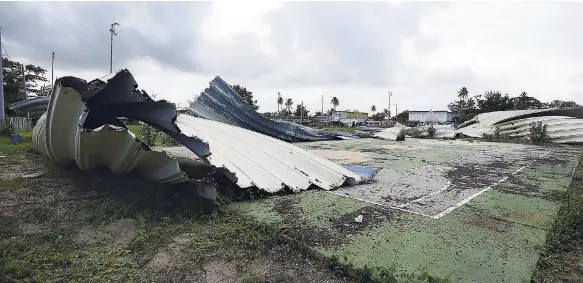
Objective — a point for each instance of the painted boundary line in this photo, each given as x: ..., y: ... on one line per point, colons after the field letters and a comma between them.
x: 468, y: 199
x: 380, y: 204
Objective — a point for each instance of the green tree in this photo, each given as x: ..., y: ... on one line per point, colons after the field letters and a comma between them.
x: 463, y: 93
x: 562, y: 104
x: 373, y: 109
x: 335, y: 102
x: 247, y: 95
x: 20, y: 80
x: 288, y: 105
x: 45, y: 90
x: 301, y: 109
x: 279, y: 102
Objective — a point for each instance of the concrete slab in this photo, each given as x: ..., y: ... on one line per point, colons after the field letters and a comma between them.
x: 476, y: 212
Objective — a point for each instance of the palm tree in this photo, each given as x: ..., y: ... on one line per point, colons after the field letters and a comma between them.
x: 288, y: 105
x: 335, y: 102
x: 279, y: 101
x: 373, y: 109
x: 463, y: 93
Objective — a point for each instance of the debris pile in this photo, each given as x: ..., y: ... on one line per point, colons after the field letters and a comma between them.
x: 220, y: 102
x: 82, y: 125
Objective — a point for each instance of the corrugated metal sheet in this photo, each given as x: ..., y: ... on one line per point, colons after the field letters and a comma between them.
x: 262, y: 161
x: 81, y: 126
x: 563, y: 125
x: 219, y: 102
x: 35, y: 106
x: 57, y: 135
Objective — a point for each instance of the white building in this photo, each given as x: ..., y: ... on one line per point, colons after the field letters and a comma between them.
x: 431, y: 116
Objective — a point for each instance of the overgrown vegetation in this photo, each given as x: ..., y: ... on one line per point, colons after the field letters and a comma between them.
x: 431, y: 131
x: 416, y: 133
x: 538, y: 132
x: 467, y: 107
x: 564, y: 244
x: 401, y: 136
x: 496, y: 136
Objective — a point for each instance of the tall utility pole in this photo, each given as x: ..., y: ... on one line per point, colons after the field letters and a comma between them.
x: 390, y: 94
x: 52, y: 71
x: 113, y: 33
x: 302, y: 121
x: 322, y: 104
x: 396, y: 110
x: 1, y: 85
x: 24, y: 83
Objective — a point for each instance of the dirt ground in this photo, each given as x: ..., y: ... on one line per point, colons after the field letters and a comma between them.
x: 72, y: 226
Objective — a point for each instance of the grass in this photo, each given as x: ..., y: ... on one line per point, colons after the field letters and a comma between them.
x: 135, y: 128
x: 563, y: 253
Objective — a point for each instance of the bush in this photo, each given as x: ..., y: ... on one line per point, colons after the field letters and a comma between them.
x: 496, y: 136
x: 538, y: 132
x: 6, y: 130
x: 401, y: 135
x: 431, y: 131
x: 148, y: 134
x: 416, y: 133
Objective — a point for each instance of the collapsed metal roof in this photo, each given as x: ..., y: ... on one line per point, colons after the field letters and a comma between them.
x: 81, y: 125
x: 220, y: 102
x: 563, y: 125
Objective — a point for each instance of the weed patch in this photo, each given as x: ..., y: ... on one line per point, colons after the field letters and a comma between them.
x: 566, y: 236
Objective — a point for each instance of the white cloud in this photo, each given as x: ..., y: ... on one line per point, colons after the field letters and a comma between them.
x: 356, y: 51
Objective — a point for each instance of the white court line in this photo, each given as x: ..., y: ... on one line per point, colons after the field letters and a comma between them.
x: 426, y: 196
x: 466, y: 200
x: 380, y: 204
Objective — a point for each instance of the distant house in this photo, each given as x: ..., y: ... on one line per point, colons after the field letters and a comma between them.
x: 431, y: 116
x: 349, y: 118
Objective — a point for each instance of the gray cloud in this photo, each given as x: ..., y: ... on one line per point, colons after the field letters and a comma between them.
x: 79, y: 32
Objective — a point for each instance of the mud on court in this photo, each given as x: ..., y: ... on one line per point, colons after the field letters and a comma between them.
x: 474, y: 211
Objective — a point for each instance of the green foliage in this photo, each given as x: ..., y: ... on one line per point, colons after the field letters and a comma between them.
x: 335, y: 102
x: 247, y: 95
x: 416, y: 133
x: 431, y: 131
x: 378, y: 116
x: 148, y: 134
x: 15, y: 74
x: 384, y: 275
x: 567, y: 231
x: 496, y: 136
x: 401, y: 135
x: 6, y: 130
x: 301, y: 109
x: 538, y: 132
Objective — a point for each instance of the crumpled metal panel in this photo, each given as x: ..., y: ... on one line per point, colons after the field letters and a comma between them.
x: 563, y: 125
x: 391, y: 133
x: 219, y: 102
x: 81, y: 125
x: 258, y: 160
x: 58, y: 136
x: 34, y: 106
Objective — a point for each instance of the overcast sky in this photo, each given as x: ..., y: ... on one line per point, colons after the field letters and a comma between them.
x: 357, y: 51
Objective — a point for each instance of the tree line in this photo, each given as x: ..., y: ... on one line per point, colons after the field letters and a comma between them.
x: 21, y: 80
x: 467, y: 107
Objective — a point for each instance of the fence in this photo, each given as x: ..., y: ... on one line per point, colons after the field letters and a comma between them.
x: 19, y: 123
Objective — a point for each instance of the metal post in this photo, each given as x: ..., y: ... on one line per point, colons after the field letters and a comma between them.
x: 2, y: 116
x: 24, y: 83
x: 52, y: 71
x: 322, y: 104
x: 396, y: 110
x: 112, y: 32
x: 302, y: 120
x: 389, y: 114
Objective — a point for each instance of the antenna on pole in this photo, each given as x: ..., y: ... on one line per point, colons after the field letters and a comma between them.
x: 53, y: 70
x: 1, y: 84
x: 113, y: 33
